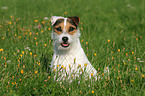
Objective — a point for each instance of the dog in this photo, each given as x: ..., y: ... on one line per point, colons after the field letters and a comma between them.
x: 69, y: 58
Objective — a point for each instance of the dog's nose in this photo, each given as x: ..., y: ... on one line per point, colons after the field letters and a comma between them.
x: 65, y: 39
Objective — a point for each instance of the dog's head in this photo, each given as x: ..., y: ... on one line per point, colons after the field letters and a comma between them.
x: 65, y: 31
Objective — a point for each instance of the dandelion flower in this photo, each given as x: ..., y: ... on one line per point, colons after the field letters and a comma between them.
x: 65, y: 12
x: 22, y: 52
x: 132, y: 80
x: 95, y: 54
x: 36, y: 72
x: 35, y: 20
x: 69, y: 65
x: 49, y: 28
x: 118, y: 78
x: 57, y: 65
x: 92, y: 91
x: 3, y: 38
x: 118, y: 50
x: 21, y: 55
x: 62, y: 66
x: 86, y: 43
x: 48, y: 77
x: 36, y: 43
x: 132, y: 52
x: 91, y: 74
x: 143, y: 76
x: 136, y: 68
x: 108, y: 40
x: 22, y: 72
x: 1, y: 49
x: 30, y: 53
x: 85, y: 64
x: 10, y: 23
x: 81, y: 28
x: 45, y: 45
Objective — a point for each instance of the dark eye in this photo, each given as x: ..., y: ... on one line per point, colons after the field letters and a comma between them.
x: 58, y: 29
x: 71, y: 28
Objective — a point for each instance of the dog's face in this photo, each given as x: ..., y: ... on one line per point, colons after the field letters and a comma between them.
x: 65, y: 31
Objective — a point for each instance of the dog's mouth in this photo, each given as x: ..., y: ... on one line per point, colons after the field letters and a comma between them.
x: 65, y: 45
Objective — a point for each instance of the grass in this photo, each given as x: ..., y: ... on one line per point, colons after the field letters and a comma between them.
x: 113, y: 29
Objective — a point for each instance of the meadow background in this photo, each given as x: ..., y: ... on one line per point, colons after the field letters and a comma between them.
x: 112, y: 34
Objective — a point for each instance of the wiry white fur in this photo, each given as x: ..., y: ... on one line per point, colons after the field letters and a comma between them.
x: 66, y: 56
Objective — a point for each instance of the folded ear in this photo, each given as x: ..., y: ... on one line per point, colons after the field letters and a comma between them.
x: 76, y: 19
x: 55, y: 18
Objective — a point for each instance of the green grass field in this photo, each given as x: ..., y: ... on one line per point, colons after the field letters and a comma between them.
x: 112, y: 34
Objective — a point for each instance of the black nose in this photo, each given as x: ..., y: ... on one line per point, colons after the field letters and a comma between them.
x: 65, y: 39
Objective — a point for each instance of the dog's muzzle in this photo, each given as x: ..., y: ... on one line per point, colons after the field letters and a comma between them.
x: 65, y: 42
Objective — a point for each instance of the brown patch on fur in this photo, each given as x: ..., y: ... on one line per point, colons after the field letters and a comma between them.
x: 57, y: 25
x: 70, y: 28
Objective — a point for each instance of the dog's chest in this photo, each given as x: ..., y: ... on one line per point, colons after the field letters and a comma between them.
x: 72, y: 60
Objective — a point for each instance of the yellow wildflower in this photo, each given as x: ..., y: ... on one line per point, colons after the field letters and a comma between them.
x: 143, y: 76
x: 69, y: 65
x: 108, y: 40
x: 19, y: 36
x: 45, y: 45
x: 36, y: 43
x: 126, y: 54
x: 48, y: 77
x: 36, y: 72
x: 118, y: 50
x: 49, y: 28
x: 30, y: 53
x: 22, y: 72
x: 30, y: 33
x: 21, y: 55
x: 95, y: 54
x: 10, y: 23
x: 136, y: 68
x: 1, y: 49
x: 91, y: 74
x: 35, y: 20
x: 85, y: 64
x: 81, y: 28
x: 3, y: 38
x: 132, y: 80
x: 132, y: 52
x: 118, y: 78
x: 92, y: 91
x: 22, y: 52
x: 65, y: 12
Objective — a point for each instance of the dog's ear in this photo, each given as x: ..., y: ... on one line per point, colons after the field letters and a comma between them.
x: 76, y: 19
x: 55, y: 18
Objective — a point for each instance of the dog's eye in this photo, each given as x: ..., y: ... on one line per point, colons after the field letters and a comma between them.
x: 58, y: 29
x: 71, y: 28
